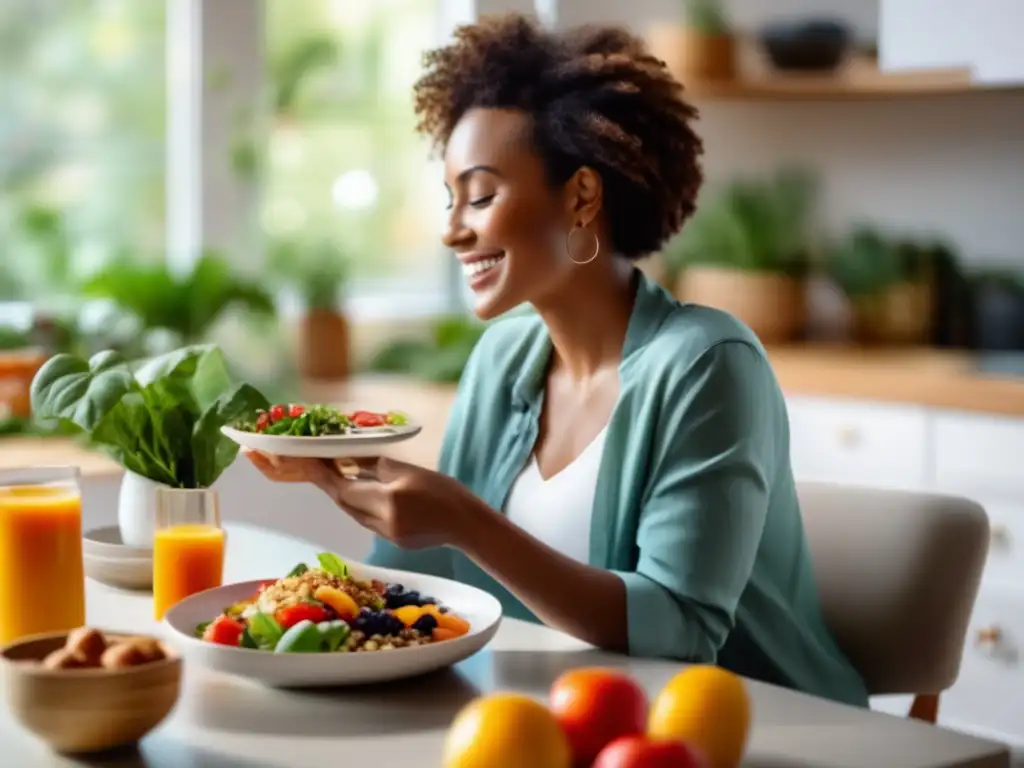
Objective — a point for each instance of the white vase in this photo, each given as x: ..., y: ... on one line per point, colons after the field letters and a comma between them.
x: 136, y: 510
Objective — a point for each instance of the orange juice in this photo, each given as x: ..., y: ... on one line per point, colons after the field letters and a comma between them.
x: 42, y: 580
x: 186, y: 559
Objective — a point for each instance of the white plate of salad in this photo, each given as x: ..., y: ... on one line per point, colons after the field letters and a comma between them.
x: 332, y: 623
x: 320, y: 431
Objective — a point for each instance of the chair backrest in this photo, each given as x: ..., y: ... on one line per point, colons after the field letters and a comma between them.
x: 898, y: 573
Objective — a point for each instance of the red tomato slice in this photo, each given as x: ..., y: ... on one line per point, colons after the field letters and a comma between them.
x: 293, y: 614
x: 295, y: 410
x: 262, y: 421
x: 224, y: 631
x: 367, y: 419
x: 277, y: 412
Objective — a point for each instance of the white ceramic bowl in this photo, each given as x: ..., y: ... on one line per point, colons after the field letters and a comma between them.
x: 482, y: 611
x: 106, y: 542
x: 368, y: 442
x: 121, y: 572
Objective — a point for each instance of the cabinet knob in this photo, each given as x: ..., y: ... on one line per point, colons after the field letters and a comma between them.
x: 849, y: 436
x: 988, y: 636
x: 1000, y: 536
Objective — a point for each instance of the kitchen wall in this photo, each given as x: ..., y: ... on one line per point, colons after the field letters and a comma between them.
x: 953, y: 164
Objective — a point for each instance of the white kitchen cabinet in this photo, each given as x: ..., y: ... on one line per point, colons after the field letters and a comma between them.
x: 858, y: 443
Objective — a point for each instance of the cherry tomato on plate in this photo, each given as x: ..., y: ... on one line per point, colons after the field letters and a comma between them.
x: 223, y: 631
x: 367, y: 419
x: 293, y: 614
x: 277, y: 412
x: 262, y: 421
x: 295, y: 410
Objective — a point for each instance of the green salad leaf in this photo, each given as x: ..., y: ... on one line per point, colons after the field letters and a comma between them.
x: 333, y: 564
x: 161, y: 421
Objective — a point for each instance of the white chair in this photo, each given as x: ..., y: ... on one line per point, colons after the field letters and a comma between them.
x: 898, y: 573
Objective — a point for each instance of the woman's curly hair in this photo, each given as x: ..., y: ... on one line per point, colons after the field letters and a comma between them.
x: 597, y: 98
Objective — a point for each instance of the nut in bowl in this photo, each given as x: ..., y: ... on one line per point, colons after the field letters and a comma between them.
x: 88, y: 690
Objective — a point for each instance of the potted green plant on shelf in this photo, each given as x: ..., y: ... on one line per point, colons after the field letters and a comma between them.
x: 440, y: 356
x: 888, y: 284
x: 185, y: 308
x: 318, y: 271
x: 703, y: 48
x: 747, y: 250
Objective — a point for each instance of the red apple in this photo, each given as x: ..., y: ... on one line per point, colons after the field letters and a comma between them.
x: 595, y: 706
x: 645, y: 752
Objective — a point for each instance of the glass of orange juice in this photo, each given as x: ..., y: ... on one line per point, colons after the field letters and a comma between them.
x: 188, y: 546
x: 42, y: 579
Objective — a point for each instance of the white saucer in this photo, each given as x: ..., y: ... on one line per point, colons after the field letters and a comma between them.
x: 109, y: 561
x: 106, y: 542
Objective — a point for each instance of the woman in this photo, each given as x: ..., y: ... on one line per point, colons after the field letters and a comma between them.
x: 616, y: 465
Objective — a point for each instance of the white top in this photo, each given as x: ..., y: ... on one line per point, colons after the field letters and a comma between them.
x: 558, y: 510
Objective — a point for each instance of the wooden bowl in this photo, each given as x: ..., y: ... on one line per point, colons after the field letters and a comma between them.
x: 87, y: 710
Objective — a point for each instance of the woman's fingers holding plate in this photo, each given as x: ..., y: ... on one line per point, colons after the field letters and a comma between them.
x: 280, y: 469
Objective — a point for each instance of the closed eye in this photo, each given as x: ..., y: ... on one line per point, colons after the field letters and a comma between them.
x: 481, y: 202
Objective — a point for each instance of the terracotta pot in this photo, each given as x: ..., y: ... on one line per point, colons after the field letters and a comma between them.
x: 774, y: 306
x: 17, y: 369
x: 901, y: 314
x: 692, y: 55
x: 324, y: 345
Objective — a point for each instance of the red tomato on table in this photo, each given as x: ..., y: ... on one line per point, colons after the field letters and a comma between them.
x: 644, y: 752
x: 595, y: 706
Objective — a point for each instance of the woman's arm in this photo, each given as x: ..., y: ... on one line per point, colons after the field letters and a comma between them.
x: 587, y: 603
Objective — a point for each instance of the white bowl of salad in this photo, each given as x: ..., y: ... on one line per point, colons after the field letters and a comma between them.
x: 331, y: 623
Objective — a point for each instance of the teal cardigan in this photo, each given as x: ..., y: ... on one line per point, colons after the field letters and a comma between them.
x: 696, y: 507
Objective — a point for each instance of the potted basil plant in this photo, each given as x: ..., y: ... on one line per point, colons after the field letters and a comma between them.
x: 159, y: 418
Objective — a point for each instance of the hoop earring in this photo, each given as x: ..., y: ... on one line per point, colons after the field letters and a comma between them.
x: 568, y: 246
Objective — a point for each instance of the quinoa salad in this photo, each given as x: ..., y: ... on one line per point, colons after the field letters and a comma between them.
x: 322, y: 609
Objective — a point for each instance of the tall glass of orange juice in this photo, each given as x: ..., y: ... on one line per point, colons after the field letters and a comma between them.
x: 188, y: 546
x: 42, y: 579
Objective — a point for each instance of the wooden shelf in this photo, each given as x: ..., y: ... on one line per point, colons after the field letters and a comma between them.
x: 858, y: 78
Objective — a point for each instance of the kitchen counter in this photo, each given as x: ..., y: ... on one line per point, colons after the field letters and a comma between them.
x: 932, y: 378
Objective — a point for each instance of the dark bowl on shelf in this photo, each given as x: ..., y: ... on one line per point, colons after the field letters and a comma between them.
x: 806, y: 46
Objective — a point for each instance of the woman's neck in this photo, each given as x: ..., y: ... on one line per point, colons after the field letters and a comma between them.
x: 587, y: 318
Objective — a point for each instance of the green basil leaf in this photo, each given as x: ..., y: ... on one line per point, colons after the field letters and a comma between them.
x: 298, y: 570
x: 302, y: 637
x: 201, y: 628
x: 333, y: 564
x: 247, y: 640
x: 333, y: 634
x: 265, y: 630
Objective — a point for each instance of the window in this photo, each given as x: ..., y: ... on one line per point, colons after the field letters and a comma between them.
x: 82, y: 126
x: 344, y: 164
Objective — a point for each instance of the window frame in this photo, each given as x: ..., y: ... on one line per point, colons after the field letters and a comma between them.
x: 211, y: 42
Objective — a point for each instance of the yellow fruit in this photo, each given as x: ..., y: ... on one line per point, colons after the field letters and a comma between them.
x: 707, y: 707
x: 506, y: 730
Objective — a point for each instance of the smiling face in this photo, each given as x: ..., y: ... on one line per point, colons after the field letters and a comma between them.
x: 506, y: 225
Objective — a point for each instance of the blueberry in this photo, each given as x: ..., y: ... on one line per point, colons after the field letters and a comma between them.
x: 428, y: 601
x: 425, y: 624
x: 395, y: 589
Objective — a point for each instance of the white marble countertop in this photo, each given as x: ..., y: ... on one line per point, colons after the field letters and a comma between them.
x: 231, y: 723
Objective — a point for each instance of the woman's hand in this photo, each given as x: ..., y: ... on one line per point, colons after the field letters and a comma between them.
x: 410, y: 506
